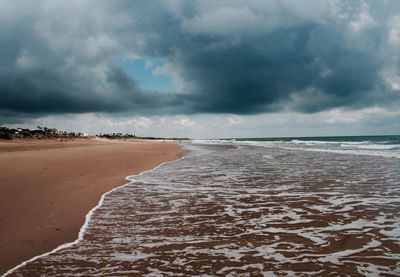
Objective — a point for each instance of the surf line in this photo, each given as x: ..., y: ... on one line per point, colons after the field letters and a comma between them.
x: 88, y: 217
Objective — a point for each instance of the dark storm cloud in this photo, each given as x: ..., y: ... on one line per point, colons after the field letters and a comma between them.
x: 228, y: 57
x: 265, y: 73
x: 306, y: 66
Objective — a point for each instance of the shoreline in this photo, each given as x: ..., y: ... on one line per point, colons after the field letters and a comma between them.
x: 130, y: 179
x: 47, y: 193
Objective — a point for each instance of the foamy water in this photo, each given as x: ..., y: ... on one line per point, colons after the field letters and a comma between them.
x: 267, y: 211
x: 381, y: 146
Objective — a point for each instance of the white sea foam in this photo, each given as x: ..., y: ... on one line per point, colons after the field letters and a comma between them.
x: 334, y: 257
x: 210, y: 214
x: 319, y: 142
x: 84, y: 227
x: 371, y: 146
x: 133, y: 257
x: 351, y: 152
x: 382, y: 149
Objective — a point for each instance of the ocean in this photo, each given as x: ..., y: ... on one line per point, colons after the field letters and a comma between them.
x: 385, y: 146
x: 322, y: 206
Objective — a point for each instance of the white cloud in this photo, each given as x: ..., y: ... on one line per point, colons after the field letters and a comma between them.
x: 96, y: 123
x: 363, y: 20
x: 220, y: 21
x: 248, y: 17
x: 352, y: 116
x: 375, y: 120
x: 178, y: 82
x: 234, y: 120
x: 185, y: 122
x: 25, y: 61
x: 141, y: 123
x: 394, y: 30
x: 392, y: 79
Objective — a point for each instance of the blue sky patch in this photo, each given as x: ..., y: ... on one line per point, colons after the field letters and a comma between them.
x: 141, y: 70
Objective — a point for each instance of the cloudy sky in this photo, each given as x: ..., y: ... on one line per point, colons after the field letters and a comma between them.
x: 202, y: 68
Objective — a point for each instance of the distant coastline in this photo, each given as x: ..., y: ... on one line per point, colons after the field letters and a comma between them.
x: 42, y: 132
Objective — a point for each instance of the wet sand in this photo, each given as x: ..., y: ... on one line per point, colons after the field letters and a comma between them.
x: 243, y: 212
x: 47, y: 187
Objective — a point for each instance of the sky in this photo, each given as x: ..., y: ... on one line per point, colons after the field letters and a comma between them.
x: 202, y: 69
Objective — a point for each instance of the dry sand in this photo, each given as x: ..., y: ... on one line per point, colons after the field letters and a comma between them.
x: 48, y: 186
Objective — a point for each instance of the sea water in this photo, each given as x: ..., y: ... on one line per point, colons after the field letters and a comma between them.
x: 385, y: 146
x: 248, y: 207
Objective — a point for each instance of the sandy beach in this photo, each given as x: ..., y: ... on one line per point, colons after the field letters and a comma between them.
x: 48, y: 186
x: 244, y: 211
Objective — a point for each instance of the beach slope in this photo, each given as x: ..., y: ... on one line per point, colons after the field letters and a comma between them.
x: 47, y: 188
